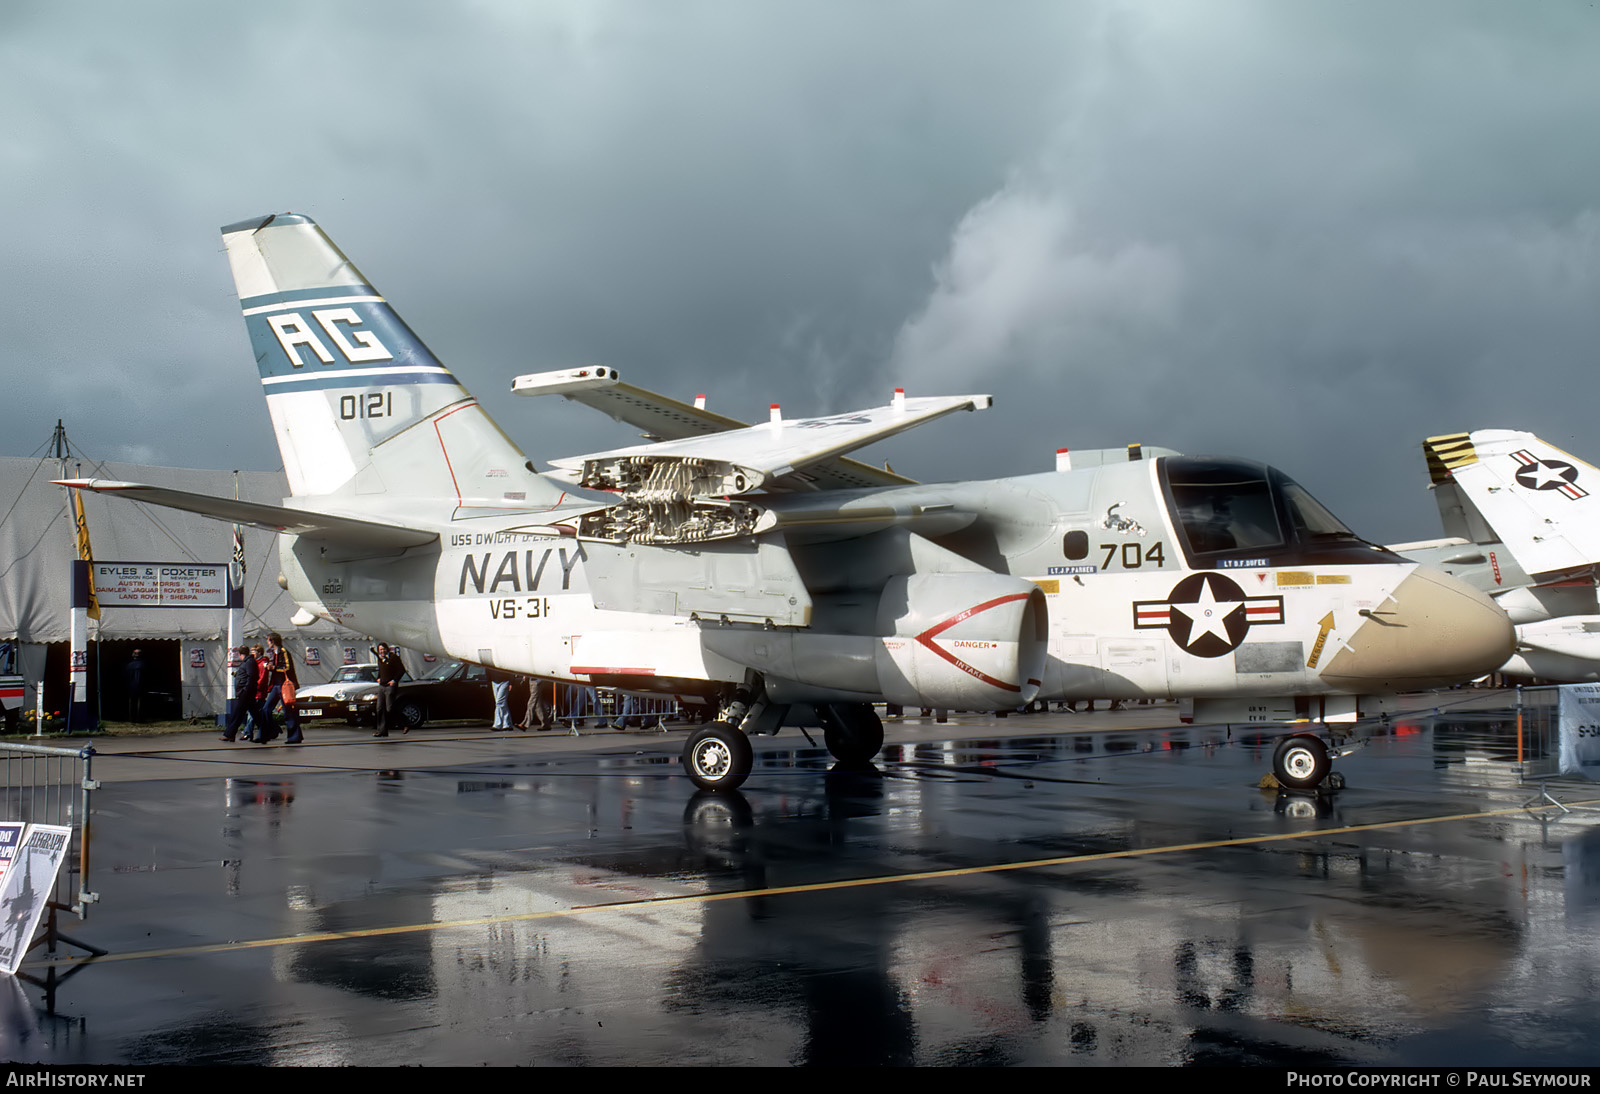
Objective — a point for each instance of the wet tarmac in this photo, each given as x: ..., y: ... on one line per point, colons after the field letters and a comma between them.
x: 1051, y: 889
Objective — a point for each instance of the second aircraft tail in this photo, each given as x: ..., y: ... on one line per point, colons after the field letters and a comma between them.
x: 1511, y: 486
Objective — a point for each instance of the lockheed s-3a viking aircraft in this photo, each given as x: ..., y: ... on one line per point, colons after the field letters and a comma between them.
x: 759, y: 567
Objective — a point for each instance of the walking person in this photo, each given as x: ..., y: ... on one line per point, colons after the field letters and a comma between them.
x: 245, y: 674
x: 627, y: 710
x: 266, y: 727
x: 287, y: 689
x: 500, y: 683
x: 539, y: 714
x: 389, y: 672
x: 273, y: 661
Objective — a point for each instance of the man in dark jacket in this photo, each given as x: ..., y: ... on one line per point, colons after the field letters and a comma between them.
x: 244, y: 693
x: 389, y: 672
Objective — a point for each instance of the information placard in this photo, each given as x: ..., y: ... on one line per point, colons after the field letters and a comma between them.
x: 26, y: 888
x: 161, y: 584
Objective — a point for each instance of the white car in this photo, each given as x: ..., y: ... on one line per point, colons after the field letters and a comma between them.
x: 338, y: 697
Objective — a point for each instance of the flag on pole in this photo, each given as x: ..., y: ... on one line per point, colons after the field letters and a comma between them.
x: 82, y: 525
x: 236, y: 571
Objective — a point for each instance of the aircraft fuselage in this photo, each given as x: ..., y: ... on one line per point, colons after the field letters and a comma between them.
x: 1130, y: 607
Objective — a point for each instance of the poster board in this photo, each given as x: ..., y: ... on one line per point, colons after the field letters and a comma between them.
x: 27, y: 886
x: 1579, y: 730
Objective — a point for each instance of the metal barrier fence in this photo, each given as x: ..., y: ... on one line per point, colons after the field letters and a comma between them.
x: 576, y: 704
x: 1539, y: 731
x: 43, y: 785
x: 1539, y: 739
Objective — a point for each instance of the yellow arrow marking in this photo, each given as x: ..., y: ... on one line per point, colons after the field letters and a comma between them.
x: 1322, y: 639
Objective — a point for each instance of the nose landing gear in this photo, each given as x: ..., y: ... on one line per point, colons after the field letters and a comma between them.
x: 718, y: 757
x: 1300, y: 762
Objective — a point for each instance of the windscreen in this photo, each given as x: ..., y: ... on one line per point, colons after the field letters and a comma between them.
x: 1307, y: 515
x: 1239, y: 512
x: 1221, y: 510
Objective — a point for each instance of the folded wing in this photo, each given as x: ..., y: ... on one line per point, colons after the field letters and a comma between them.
x: 665, y: 419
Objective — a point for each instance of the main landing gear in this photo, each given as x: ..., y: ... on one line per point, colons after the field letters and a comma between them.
x: 719, y: 757
x: 853, y: 732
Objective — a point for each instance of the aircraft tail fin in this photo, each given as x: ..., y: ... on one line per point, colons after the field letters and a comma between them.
x: 1510, y: 486
x: 365, y: 415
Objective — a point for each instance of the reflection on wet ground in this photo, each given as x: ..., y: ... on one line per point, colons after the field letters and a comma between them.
x: 1116, y: 897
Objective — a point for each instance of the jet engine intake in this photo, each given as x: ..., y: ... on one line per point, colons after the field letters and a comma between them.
x: 959, y: 641
x: 963, y: 641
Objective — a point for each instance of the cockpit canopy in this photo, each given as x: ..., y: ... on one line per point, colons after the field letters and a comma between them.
x: 1242, y: 513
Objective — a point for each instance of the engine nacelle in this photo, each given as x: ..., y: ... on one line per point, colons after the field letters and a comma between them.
x: 1565, y: 650
x: 958, y: 641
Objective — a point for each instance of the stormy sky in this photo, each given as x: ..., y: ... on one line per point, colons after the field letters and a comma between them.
x: 1307, y: 233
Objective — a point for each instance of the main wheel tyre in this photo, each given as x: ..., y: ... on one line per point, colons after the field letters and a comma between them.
x: 718, y: 757
x: 1300, y: 762
x: 852, y: 731
x: 411, y: 714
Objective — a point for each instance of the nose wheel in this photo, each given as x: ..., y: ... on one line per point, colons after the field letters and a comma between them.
x: 1301, y: 762
x: 718, y: 757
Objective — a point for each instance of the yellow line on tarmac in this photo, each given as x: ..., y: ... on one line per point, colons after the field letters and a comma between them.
x: 785, y: 890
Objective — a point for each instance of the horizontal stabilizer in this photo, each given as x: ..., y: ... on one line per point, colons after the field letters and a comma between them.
x: 350, y: 534
x: 1535, y: 497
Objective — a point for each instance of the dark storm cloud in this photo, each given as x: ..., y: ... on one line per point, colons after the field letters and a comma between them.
x: 1308, y: 233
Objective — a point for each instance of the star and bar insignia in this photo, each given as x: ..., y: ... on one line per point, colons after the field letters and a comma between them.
x: 1207, y: 614
x: 1537, y: 474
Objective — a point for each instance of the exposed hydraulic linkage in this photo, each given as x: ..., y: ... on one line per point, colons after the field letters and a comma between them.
x: 672, y: 499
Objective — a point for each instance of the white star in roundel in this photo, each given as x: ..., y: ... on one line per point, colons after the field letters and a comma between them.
x: 1208, y: 615
x: 1543, y: 475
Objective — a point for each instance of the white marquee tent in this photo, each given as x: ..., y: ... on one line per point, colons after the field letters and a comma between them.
x: 183, y: 647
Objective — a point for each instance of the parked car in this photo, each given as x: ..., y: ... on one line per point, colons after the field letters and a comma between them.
x: 454, y: 689
x: 339, y: 697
